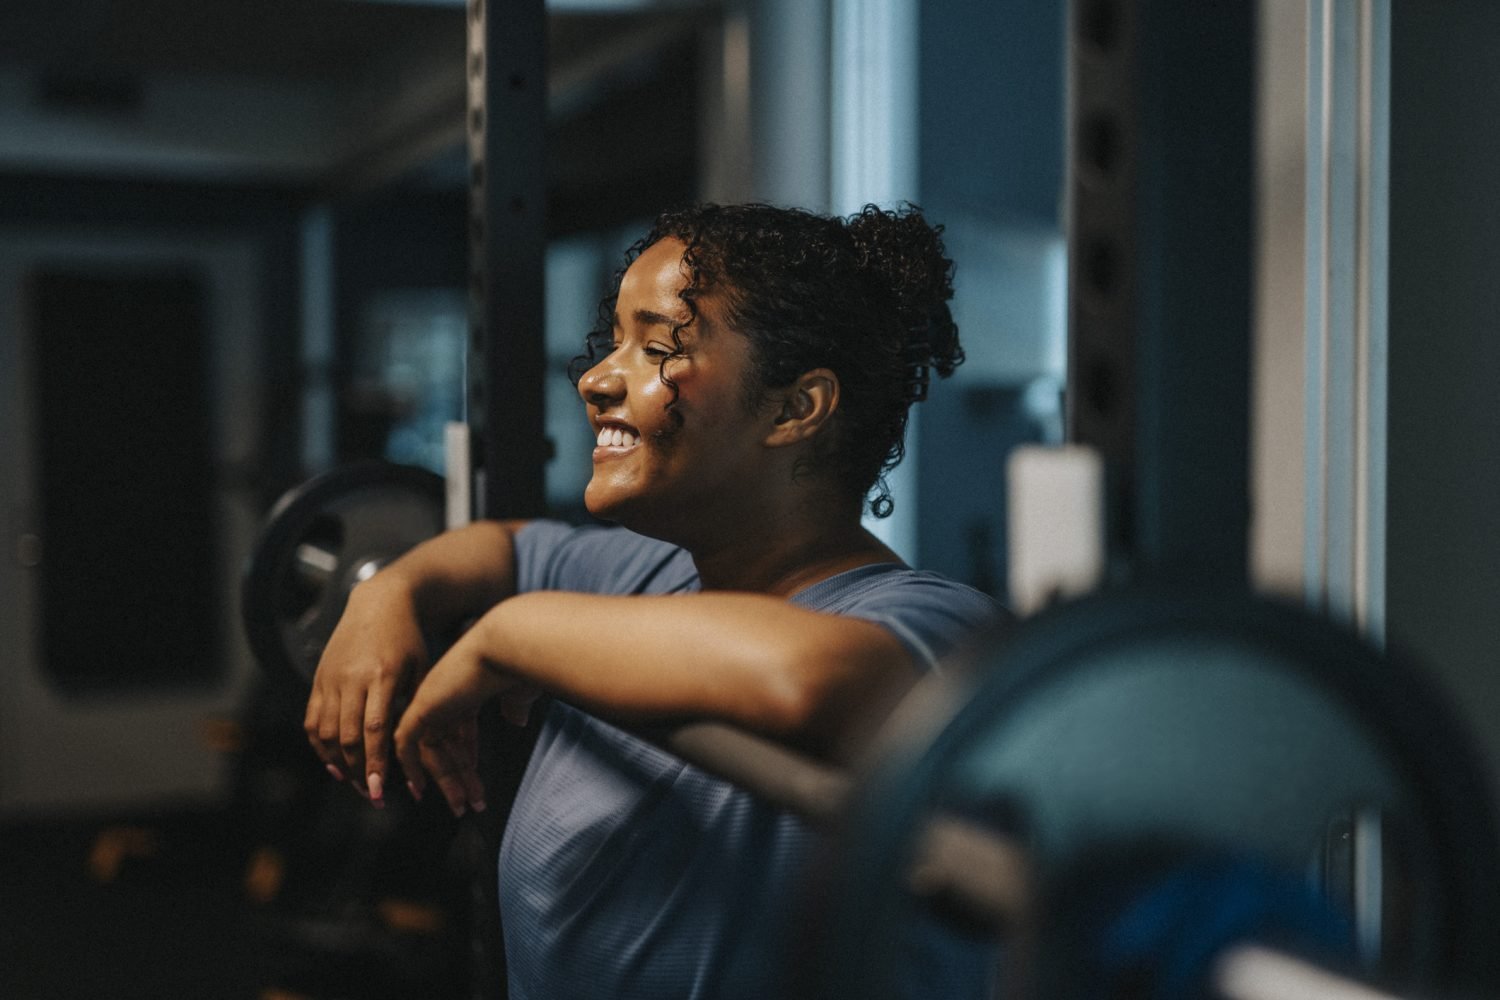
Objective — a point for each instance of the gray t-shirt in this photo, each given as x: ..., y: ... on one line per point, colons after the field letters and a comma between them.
x: 625, y: 872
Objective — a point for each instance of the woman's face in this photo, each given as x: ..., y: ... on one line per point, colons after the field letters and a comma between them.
x: 653, y: 472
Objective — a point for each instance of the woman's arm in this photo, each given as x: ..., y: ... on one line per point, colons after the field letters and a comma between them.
x: 378, y: 650
x: 815, y: 680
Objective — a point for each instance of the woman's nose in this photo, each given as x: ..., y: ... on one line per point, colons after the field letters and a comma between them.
x: 602, y: 384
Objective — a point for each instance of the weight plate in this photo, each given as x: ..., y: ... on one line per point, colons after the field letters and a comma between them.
x: 318, y: 541
x: 1158, y: 723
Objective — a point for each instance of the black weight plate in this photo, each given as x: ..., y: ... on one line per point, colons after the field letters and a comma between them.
x: 318, y: 541
x: 1217, y: 723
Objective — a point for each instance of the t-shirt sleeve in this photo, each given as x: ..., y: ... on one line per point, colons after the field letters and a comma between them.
x: 595, y: 559
x: 930, y: 614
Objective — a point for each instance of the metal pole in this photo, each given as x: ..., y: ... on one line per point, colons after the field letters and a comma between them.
x: 507, y: 125
x: 507, y: 130
x: 1160, y: 185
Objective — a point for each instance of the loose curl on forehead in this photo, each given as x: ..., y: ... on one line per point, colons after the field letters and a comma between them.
x: 864, y: 296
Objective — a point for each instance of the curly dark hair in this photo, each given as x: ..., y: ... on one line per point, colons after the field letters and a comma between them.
x: 865, y: 296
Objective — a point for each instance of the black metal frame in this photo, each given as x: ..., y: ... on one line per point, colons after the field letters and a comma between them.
x: 506, y: 69
x: 507, y: 128
x: 1160, y: 216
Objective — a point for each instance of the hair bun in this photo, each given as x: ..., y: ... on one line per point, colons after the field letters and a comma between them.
x: 904, y: 256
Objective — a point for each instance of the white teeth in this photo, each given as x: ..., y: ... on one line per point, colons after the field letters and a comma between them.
x: 614, y: 437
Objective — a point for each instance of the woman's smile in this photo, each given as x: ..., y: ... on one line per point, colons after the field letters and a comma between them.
x: 615, y: 439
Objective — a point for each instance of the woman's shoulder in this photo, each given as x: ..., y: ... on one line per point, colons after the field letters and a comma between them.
x: 930, y: 613
x: 598, y: 559
x: 895, y: 581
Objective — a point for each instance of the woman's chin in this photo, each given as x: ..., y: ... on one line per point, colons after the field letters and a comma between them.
x: 627, y: 512
x: 604, y: 504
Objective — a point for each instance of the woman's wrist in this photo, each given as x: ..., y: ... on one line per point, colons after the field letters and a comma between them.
x: 388, y: 590
x: 443, y: 584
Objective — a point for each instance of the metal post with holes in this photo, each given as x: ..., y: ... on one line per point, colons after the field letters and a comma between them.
x: 1160, y: 185
x: 507, y: 128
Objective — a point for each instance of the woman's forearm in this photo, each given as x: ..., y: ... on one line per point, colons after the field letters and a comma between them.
x: 756, y: 661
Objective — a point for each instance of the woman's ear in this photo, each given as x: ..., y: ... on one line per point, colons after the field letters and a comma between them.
x: 804, y: 407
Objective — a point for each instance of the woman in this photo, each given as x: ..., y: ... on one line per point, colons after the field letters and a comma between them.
x: 749, y: 386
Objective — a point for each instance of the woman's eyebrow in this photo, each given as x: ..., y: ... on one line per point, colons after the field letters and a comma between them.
x: 649, y: 317
x: 646, y: 317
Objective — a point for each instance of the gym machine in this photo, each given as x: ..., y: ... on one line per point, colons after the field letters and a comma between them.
x: 1166, y: 788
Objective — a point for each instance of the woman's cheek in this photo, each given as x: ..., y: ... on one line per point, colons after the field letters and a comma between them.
x: 655, y: 398
x: 683, y: 388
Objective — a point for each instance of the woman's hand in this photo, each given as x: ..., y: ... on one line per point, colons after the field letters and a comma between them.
x: 376, y: 654
x: 437, y: 737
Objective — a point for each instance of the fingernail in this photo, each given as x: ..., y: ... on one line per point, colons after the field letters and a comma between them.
x: 376, y: 785
x: 337, y: 774
x: 458, y: 811
x: 477, y: 805
x: 416, y: 793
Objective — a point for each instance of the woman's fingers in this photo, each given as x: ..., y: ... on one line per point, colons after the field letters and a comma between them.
x: 351, y: 716
x: 376, y: 732
x: 375, y: 649
x: 437, y: 738
x: 466, y: 747
x: 311, y: 725
x: 516, y: 702
x: 446, y: 756
x: 452, y: 768
x: 321, y: 724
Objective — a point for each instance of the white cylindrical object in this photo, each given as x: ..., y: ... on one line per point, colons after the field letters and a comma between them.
x: 1055, y: 524
x: 1251, y: 972
x: 459, y: 471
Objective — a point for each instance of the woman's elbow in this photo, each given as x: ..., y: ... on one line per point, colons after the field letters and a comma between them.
x: 832, y: 697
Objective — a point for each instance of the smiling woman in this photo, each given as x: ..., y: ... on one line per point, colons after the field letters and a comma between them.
x: 748, y: 385
x: 676, y: 426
